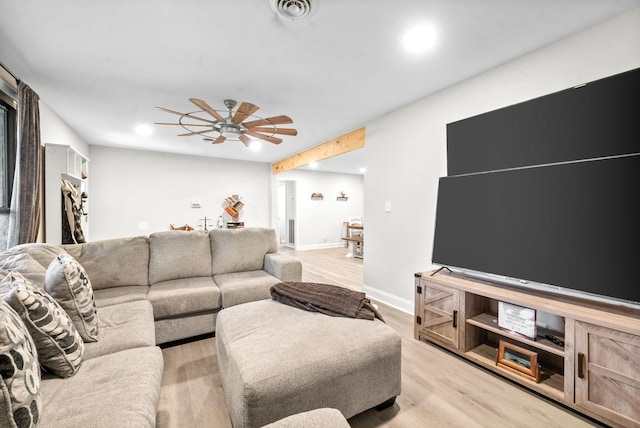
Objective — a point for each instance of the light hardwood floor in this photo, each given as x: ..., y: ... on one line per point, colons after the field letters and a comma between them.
x: 439, y: 389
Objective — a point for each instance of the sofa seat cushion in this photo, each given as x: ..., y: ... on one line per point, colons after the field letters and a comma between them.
x: 184, y: 296
x: 114, y: 262
x: 243, y: 287
x: 117, y: 295
x: 115, y: 390
x: 125, y: 326
x: 178, y: 254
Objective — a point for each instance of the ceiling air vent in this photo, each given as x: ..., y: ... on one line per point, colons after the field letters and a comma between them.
x: 293, y: 10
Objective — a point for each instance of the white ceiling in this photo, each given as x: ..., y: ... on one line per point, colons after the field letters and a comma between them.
x: 103, y: 66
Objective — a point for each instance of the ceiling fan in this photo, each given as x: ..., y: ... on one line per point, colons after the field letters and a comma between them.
x: 234, y: 126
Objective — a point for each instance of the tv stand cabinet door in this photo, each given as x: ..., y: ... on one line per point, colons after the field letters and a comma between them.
x: 607, y: 373
x: 440, y: 314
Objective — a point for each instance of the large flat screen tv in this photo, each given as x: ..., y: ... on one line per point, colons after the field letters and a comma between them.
x: 571, y: 227
x: 593, y: 120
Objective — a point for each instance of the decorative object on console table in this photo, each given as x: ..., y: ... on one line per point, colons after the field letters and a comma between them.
x: 185, y: 227
x: 518, y: 360
x: 342, y: 197
x: 234, y: 206
x: 517, y: 319
x: 205, y: 223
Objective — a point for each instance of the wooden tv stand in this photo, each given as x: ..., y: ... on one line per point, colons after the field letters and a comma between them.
x: 596, y: 372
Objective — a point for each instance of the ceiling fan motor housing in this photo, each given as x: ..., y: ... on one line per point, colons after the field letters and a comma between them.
x: 293, y: 10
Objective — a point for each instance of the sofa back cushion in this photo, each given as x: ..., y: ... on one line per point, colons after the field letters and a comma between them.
x: 114, y: 262
x: 176, y: 254
x: 241, y: 250
x: 40, y: 252
x: 25, y: 264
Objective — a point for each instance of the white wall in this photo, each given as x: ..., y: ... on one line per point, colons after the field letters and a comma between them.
x: 54, y: 130
x: 140, y: 192
x: 319, y: 223
x: 406, y: 149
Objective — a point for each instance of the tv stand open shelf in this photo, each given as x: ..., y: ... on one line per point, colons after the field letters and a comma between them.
x: 595, y: 372
x: 489, y: 322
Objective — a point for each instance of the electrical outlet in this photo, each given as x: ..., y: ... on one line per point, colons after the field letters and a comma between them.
x: 387, y: 206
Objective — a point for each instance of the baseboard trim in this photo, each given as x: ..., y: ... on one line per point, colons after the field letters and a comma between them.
x: 396, y: 302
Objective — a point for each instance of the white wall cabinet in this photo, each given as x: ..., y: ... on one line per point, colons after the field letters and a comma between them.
x: 63, y: 162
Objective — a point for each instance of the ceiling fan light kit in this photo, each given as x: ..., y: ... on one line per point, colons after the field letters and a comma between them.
x: 233, y: 127
x: 293, y: 10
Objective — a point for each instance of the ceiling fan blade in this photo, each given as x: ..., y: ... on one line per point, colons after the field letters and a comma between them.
x: 244, y: 111
x: 218, y: 140
x: 196, y: 133
x: 273, y: 140
x: 275, y: 120
x: 185, y: 115
x: 245, y: 140
x: 170, y: 111
x: 204, y: 106
x: 282, y: 131
x: 182, y: 124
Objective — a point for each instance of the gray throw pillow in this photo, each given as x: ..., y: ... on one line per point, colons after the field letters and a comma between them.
x: 59, y: 345
x: 20, y: 401
x: 67, y: 282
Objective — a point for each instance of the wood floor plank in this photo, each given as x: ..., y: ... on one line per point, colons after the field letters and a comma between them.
x: 439, y: 389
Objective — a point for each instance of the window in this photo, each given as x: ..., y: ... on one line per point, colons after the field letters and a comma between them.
x: 7, y: 153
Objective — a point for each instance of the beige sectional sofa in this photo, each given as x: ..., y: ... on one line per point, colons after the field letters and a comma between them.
x: 187, y: 276
x: 148, y: 290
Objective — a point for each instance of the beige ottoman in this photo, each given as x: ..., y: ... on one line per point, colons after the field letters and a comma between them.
x: 276, y: 361
x: 319, y: 418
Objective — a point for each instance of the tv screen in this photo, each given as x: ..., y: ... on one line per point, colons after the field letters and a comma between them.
x: 595, y: 120
x: 572, y: 225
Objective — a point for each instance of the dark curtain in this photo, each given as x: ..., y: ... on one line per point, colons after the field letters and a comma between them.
x: 26, y: 209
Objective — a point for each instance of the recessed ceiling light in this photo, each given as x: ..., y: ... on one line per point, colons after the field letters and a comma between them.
x: 313, y: 164
x: 419, y: 39
x: 256, y: 146
x: 143, y: 130
x: 363, y: 170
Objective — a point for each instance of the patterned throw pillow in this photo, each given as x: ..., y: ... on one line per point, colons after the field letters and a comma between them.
x: 60, y: 347
x: 68, y: 283
x: 20, y: 401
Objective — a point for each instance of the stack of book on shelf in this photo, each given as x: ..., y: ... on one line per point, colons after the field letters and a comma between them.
x: 234, y: 206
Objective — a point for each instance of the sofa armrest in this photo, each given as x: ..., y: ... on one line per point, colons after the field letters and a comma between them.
x: 284, y: 267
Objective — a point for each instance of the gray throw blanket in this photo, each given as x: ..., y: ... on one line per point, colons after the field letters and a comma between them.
x: 325, y: 298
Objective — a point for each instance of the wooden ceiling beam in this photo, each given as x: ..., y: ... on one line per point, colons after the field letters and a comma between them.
x: 352, y: 141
